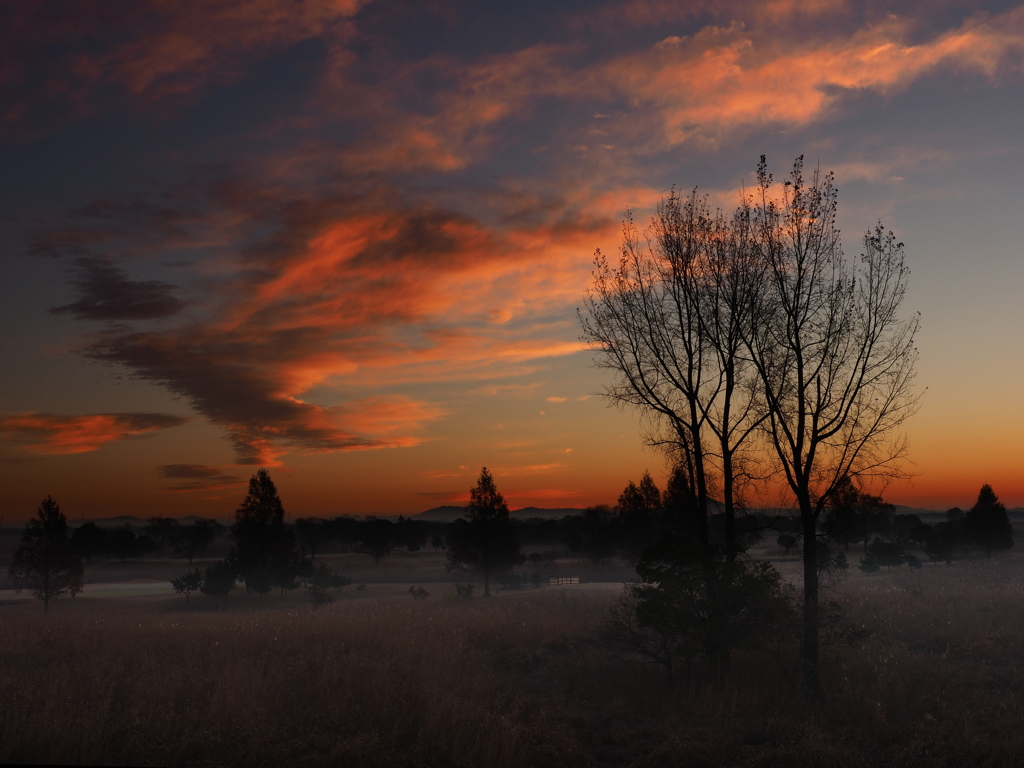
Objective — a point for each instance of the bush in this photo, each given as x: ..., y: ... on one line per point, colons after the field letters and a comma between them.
x: 219, y: 579
x: 691, y: 608
x: 188, y: 583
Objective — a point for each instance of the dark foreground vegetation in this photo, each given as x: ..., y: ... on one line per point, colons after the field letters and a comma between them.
x: 927, y: 672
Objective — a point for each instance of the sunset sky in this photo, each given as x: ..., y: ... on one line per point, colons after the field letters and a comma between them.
x: 346, y: 240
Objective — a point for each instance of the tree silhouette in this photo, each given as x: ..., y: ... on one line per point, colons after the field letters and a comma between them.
x: 689, y: 604
x: 219, y: 579
x: 723, y: 328
x: 188, y: 583
x: 123, y: 542
x: 313, y: 534
x: 376, y: 538
x: 89, y: 540
x: 853, y: 516
x: 260, y: 533
x: 637, y: 517
x: 484, y: 540
x: 590, y: 535
x: 671, y: 319
x: 988, y: 525
x: 160, y: 530
x: 191, y: 540
x: 835, y: 362
x: 44, y: 563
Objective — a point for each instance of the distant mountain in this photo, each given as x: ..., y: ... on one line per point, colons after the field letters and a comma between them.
x: 547, y: 514
x: 121, y: 520
x: 451, y: 512
x: 445, y: 513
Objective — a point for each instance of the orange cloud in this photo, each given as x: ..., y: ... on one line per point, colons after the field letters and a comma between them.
x: 728, y: 78
x: 56, y: 435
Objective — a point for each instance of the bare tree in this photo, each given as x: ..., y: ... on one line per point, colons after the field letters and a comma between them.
x: 669, y: 319
x: 722, y: 329
x: 834, y: 358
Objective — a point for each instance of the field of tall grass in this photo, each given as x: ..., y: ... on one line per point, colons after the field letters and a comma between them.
x: 934, y: 677
x: 933, y: 674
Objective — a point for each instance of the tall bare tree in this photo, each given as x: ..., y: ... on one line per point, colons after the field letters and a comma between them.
x: 669, y: 320
x: 720, y: 329
x: 834, y: 357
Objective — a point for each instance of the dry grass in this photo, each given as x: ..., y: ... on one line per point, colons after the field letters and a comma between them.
x: 521, y: 680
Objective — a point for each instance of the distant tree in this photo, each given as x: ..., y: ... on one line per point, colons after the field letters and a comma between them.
x: 590, y: 535
x: 679, y: 504
x: 313, y: 534
x: 886, y: 552
x: 852, y: 516
x: 89, y: 540
x: 988, y: 525
x: 948, y: 539
x: 437, y: 541
x: 411, y: 534
x: 192, y: 540
x: 144, y: 545
x: 345, y: 531
x: 44, y: 563
x: 787, y: 541
x: 188, y: 583
x: 376, y: 538
x: 123, y: 543
x: 219, y: 579
x: 260, y: 533
x: 319, y: 578
x: 637, y: 517
x: 160, y: 530
x: 484, y: 540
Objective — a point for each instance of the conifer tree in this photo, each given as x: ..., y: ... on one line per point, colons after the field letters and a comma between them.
x: 261, y: 538
x: 988, y: 525
x: 44, y: 563
x: 484, y: 540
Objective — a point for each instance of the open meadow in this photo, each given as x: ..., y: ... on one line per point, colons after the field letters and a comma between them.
x: 926, y: 669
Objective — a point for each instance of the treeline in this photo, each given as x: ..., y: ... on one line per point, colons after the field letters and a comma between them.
x: 157, y: 536
x: 600, y: 535
x: 853, y: 517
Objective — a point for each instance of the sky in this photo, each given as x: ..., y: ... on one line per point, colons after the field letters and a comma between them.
x: 346, y: 240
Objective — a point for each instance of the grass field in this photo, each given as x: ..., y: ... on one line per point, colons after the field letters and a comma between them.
x: 935, y: 677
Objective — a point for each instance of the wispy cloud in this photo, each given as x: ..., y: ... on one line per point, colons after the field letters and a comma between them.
x: 197, y: 477
x: 54, y: 435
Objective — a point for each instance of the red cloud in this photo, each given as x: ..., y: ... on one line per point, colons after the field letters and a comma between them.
x: 338, y: 291
x: 54, y: 435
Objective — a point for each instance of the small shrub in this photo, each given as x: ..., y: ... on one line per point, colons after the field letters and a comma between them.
x: 188, y: 583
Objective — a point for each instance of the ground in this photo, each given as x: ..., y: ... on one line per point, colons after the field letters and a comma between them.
x: 928, y: 671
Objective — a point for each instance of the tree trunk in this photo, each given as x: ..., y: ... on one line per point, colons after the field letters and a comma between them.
x: 809, y: 651
x: 731, y: 546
